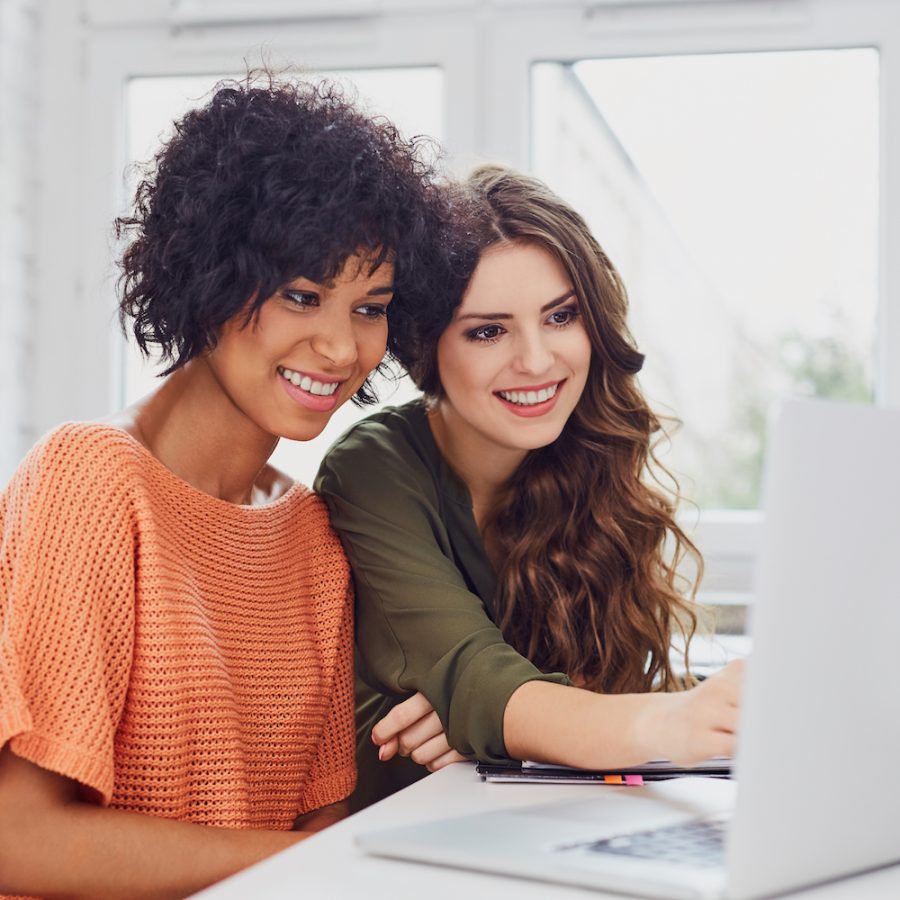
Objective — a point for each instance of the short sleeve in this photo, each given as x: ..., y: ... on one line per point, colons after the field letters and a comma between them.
x: 67, y: 557
x: 332, y: 776
x: 419, y: 627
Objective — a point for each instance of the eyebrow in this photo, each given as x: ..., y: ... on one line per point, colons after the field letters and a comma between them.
x: 545, y: 308
x: 380, y: 291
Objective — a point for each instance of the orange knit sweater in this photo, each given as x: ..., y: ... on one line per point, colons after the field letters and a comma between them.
x: 178, y: 655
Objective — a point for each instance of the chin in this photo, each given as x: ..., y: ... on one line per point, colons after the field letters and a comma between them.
x: 290, y: 428
x: 301, y: 434
x: 533, y: 441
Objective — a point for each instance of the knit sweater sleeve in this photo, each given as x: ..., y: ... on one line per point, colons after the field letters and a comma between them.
x: 67, y: 559
x: 333, y: 773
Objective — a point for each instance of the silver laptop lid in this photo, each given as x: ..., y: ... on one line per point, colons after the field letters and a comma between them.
x: 818, y: 762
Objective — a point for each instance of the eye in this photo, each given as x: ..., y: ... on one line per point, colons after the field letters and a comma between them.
x: 302, y: 299
x: 485, y: 334
x: 562, y: 317
x: 373, y: 311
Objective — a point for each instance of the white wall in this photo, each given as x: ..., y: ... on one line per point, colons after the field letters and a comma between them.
x: 19, y: 116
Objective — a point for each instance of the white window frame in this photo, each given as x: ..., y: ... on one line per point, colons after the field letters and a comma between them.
x: 476, y: 43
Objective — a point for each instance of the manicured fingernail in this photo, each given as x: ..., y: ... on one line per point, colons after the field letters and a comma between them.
x: 381, y: 753
x: 374, y: 739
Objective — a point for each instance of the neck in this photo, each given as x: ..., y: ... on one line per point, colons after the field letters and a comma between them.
x: 484, y: 466
x: 192, y: 426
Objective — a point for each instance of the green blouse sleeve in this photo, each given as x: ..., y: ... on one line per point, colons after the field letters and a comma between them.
x: 418, y: 626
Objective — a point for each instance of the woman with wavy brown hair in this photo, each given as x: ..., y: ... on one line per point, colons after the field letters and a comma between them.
x: 515, y: 557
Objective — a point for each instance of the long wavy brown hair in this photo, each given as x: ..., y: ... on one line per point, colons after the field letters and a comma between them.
x: 589, y: 582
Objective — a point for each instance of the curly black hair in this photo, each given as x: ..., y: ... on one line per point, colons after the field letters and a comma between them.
x: 275, y: 179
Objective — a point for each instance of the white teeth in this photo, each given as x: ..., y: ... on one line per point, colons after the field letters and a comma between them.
x: 530, y: 398
x: 321, y: 388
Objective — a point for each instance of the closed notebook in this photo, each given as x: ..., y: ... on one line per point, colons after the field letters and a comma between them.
x: 654, y: 770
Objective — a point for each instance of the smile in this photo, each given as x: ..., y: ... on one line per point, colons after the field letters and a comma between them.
x: 531, y: 402
x: 310, y: 393
x: 530, y: 396
x: 310, y: 385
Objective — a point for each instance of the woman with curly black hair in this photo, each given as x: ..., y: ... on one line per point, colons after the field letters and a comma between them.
x: 534, y: 549
x: 175, y: 626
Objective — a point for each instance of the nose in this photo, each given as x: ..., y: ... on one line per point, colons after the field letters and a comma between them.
x: 335, y: 341
x: 533, y: 354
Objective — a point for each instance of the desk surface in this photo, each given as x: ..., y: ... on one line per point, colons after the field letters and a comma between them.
x: 329, y: 864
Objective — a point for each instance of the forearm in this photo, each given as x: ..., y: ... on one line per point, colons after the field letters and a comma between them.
x: 558, y: 724
x: 78, y: 849
x: 320, y: 819
x: 555, y: 723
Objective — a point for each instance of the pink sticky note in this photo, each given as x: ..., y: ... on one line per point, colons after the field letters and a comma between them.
x: 634, y: 779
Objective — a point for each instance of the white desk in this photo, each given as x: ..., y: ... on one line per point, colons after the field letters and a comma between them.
x: 328, y: 865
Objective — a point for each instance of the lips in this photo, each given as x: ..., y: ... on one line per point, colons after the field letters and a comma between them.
x: 531, y: 396
x: 311, y: 392
x: 531, y: 401
x: 309, y: 384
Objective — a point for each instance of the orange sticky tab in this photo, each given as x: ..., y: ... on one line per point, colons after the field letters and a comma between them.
x: 634, y: 779
x: 613, y: 779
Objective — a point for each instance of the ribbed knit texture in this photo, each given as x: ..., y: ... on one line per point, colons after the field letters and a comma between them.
x: 180, y: 656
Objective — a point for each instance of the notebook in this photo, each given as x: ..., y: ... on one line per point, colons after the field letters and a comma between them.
x: 653, y: 770
x: 820, y: 690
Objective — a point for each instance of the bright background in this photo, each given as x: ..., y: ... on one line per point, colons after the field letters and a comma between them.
x: 736, y: 158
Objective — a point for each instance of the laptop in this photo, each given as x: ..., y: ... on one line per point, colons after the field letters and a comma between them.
x: 817, y: 790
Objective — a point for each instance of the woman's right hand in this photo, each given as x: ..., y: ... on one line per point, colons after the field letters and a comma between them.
x: 698, y: 724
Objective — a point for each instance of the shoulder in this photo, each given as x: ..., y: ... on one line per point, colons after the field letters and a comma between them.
x: 393, y: 443
x: 82, y: 454
x: 78, y: 478
x: 373, y: 459
x: 71, y: 500
x: 396, y: 429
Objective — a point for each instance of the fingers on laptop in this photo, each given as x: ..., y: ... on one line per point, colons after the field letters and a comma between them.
x: 702, y: 722
x: 733, y: 675
x: 723, y: 709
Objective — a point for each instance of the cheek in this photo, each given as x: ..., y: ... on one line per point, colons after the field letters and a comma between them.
x: 580, y: 351
x: 235, y: 351
x: 371, y: 345
x: 459, y: 369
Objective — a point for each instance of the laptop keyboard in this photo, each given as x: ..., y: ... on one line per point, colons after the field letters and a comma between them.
x: 696, y: 843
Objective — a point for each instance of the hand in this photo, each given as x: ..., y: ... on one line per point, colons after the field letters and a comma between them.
x: 701, y: 723
x: 412, y: 728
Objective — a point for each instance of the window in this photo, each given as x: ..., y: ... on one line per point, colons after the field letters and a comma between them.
x: 738, y: 195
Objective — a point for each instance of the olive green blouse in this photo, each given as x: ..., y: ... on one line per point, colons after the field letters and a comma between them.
x: 424, y: 593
